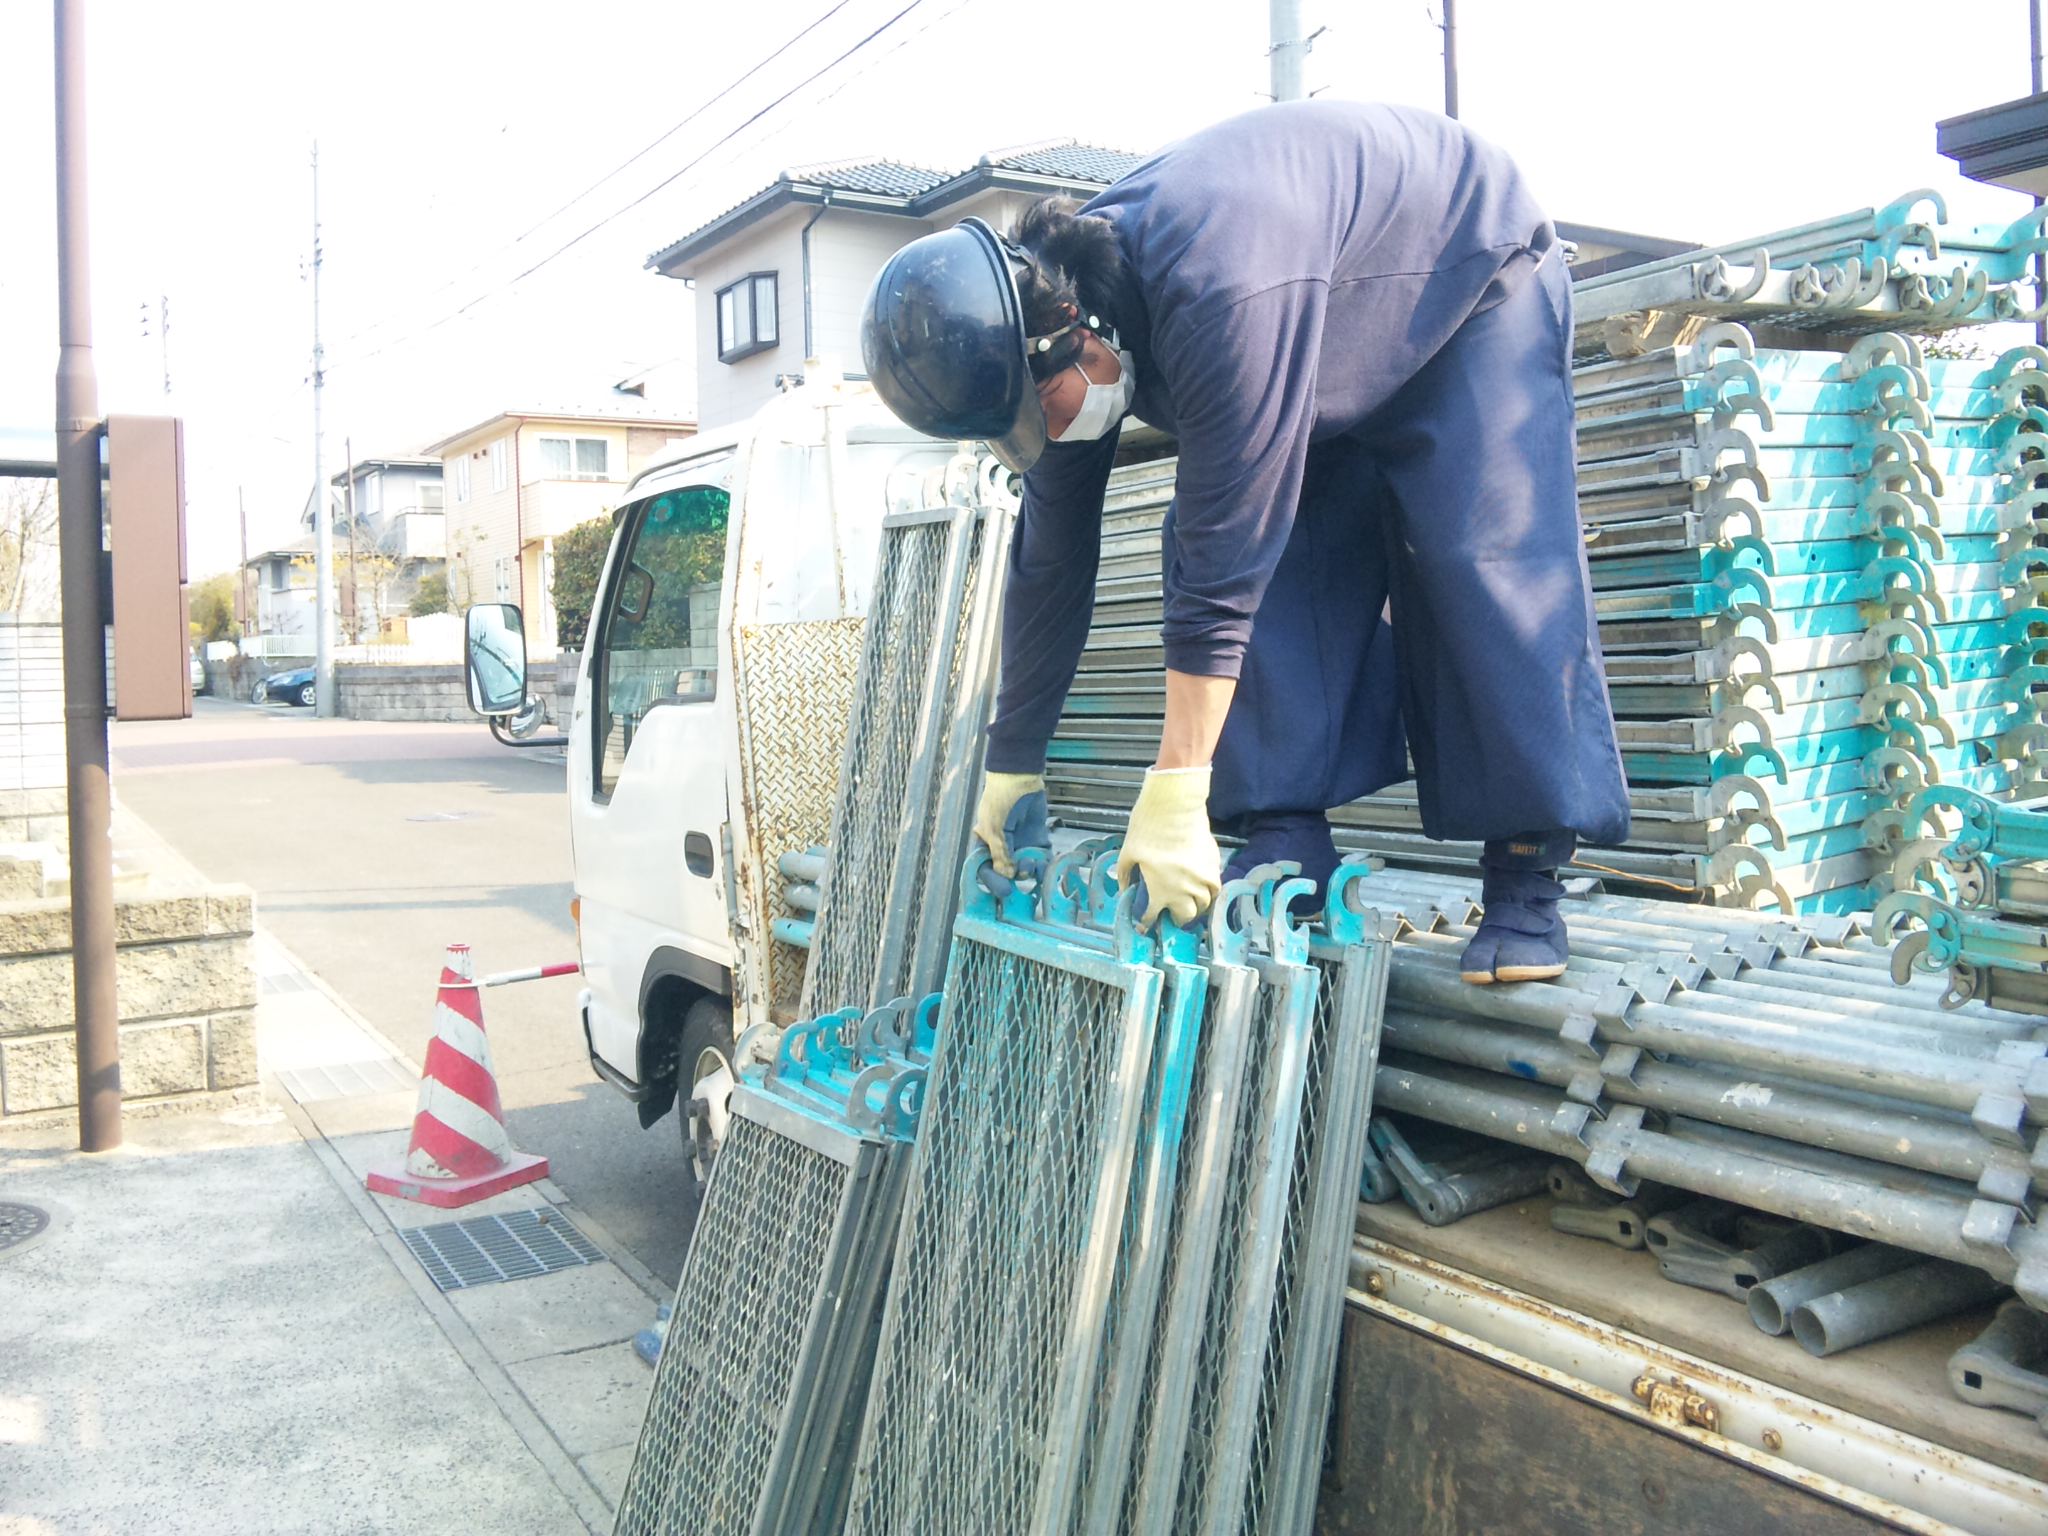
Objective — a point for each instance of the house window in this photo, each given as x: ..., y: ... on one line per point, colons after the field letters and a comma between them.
x: 575, y: 458
x: 503, y: 572
x: 500, y: 459
x: 459, y: 474
x: 746, y: 317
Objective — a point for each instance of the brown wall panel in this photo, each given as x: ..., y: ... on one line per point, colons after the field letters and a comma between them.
x: 146, y: 534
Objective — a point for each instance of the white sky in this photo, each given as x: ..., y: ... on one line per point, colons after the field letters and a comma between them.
x: 449, y: 129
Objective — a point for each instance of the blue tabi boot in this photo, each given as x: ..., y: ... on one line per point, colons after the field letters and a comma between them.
x: 1521, y: 936
x: 1275, y: 837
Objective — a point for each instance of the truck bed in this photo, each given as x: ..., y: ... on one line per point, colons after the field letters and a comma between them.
x: 1901, y: 1381
x: 1895, y: 1387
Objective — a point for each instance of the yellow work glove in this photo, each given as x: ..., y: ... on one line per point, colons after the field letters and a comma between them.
x: 1169, y: 845
x: 1000, y: 793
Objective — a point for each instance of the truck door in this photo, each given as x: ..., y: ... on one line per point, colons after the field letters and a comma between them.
x: 648, y: 799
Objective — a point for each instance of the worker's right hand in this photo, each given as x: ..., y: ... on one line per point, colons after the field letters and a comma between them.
x: 1011, y: 815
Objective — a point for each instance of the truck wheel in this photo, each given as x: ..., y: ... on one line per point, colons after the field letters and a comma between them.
x: 703, y: 1050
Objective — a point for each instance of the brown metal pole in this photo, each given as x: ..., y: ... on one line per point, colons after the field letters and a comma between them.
x: 85, y: 658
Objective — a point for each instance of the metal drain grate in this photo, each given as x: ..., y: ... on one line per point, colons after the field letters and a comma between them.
x: 21, y: 1224
x: 486, y: 1249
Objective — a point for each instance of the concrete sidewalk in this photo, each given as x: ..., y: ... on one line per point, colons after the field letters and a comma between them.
x: 223, y: 1330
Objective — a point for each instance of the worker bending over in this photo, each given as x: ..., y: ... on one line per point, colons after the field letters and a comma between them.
x: 1357, y: 323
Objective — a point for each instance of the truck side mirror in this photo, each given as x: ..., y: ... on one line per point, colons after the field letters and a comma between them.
x: 494, y: 655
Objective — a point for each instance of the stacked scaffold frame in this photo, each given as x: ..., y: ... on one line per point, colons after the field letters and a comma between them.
x: 1810, y: 546
x: 1120, y: 1274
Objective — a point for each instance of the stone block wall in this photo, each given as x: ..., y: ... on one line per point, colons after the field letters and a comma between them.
x: 186, y: 989
x: 236, y: 677
x: 381, y: 691
x: 35, y: 816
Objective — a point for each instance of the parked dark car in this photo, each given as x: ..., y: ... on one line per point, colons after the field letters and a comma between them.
x: 292, y: 687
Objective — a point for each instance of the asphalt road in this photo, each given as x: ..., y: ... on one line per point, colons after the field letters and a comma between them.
x: 370, y: 847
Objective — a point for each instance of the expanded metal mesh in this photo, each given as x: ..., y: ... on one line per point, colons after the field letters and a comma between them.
x: 1314, y: 1252
x: 764, y: 1259
x: 1290, y: 1297
x: 1194, y: 1222
x: 1205, y: 1403
x: 793, y: 691
x: 994, y: 1314
x: 929, y: 837
x: 871, y: 814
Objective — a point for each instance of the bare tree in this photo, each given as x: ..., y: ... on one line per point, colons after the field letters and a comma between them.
x: 28, y: 549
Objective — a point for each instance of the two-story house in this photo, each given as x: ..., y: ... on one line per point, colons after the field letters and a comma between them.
x: 782, y: 277
x: 389, y: 537
x: 515, y: 482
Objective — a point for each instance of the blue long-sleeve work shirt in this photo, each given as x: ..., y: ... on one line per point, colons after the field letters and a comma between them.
x: 1290, y: 270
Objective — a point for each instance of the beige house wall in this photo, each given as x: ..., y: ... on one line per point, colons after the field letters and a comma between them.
x: 847, y: 249
x: 483, y: 528
x: 519, y: 524
x: 728, y: 392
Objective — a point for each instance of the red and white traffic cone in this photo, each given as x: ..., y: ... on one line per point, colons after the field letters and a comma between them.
x: 460, y: 1151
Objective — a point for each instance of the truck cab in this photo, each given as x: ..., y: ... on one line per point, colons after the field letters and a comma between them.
x: 752, y: 552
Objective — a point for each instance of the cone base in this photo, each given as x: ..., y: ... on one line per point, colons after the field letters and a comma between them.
x: 448, y: 1194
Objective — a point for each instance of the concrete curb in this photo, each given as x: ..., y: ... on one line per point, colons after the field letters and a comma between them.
x: 525, y: 1420
x: 563, y: 1467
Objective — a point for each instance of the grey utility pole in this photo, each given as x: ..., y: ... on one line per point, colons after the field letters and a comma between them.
x: 1450, y: 58
x: 323, y: 524
x: 87, y: 798
x: 1288, y: 48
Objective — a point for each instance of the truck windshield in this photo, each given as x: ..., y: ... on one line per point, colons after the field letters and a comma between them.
x: 659, y: 640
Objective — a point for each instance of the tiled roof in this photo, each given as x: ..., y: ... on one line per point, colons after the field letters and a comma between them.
x: 884, y: 178
x: 908, y: 189
x: 1068, y: 162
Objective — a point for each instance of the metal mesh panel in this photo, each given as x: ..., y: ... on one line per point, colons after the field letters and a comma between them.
x: 1143, y: 1247
x: 1315, y: 1248
x: 921, y: 840
x: 794, y: 691
x: 1245, y: 1280
x: 869, y: 818
x: 1205, y: 1408
x: 996, y: 1308
x: 1194, y: 1224
x: 775, y: 1220
x: 1289, y: 1298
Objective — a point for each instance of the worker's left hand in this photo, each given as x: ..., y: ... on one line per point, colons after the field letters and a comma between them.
x: 1170, y: 847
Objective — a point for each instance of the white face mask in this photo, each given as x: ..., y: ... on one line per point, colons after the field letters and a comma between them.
x: 1104, y: 405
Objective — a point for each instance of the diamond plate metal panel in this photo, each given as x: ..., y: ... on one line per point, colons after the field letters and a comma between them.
x: 794, y: 687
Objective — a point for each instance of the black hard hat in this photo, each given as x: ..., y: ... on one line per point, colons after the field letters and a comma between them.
x: 943, y: 340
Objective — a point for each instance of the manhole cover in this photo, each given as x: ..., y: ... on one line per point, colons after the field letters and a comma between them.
x: 486, y: 1249
x: 21, y: 1224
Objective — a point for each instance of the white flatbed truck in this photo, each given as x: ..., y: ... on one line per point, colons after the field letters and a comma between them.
x: 1496, y: 1376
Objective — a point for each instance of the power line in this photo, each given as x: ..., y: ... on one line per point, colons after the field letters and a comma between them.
x: 861, y: 74
x: 670, y: 179
x: 520, y: 239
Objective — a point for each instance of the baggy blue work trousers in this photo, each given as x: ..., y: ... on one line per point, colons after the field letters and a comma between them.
x: 1433, y: 601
